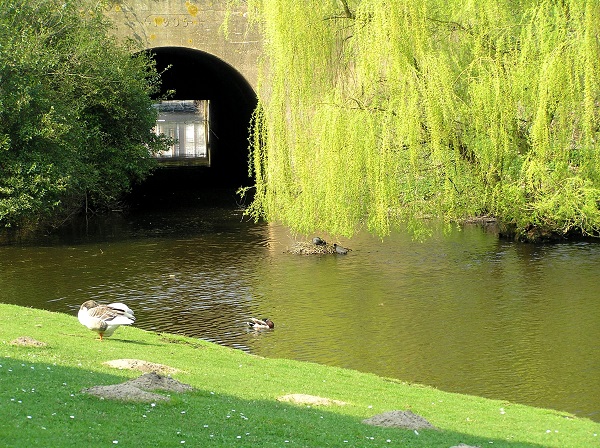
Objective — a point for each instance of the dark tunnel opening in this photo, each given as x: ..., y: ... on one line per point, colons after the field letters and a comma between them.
x: 196, y: 75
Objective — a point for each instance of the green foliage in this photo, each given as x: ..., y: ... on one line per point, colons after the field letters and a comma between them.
x: 376, y: 112
x: 75, y: 111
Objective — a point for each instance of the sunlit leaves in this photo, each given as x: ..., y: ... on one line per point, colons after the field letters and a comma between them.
x: 409, y: 109
x: 75, y: 110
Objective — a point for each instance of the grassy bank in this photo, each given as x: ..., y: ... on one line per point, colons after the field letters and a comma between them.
x: 235, y: 401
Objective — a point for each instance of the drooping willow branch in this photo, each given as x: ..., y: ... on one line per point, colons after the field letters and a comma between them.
x: 416, y: 108
x: 349, y: 14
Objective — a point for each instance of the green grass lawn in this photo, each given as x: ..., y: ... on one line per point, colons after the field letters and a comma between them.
x: 235, y: 398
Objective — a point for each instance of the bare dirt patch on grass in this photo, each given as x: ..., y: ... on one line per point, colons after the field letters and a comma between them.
x: 399, y: 419
x: 392, y: 419
x: 27, y: 341
x: 124, y: 392
x: 154, y: 381
x: 139, y: 389
x: 142, y: 366
x: 310, y: 400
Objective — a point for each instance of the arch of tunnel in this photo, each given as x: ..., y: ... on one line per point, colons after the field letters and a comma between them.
x: 198, y: 61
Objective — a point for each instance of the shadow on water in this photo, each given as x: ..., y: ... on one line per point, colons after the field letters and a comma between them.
x: 463, y: 311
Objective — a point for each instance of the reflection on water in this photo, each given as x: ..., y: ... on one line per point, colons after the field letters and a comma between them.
x: 464, y: 312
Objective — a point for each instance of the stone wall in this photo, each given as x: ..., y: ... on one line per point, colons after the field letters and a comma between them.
x: 196, y: 25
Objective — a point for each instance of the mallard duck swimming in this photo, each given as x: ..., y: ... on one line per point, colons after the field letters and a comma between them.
x: 340, y: 250
x: 105, y: 319
x: 261, y: 324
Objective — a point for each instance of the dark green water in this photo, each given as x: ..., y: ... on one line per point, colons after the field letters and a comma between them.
x: 464, y: 312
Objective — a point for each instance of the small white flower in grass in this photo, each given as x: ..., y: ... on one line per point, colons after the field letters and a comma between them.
x: 183, y: 441
x: 502, y: 411
x: 152, y: 404
x: 71, y: 416
x: 206, y: 426
x: 29, y: 416
x: 416, y: 432
x: 115, y: 442
x: 238, y: 437
x: 370, y: 407
x: 183, y: 412
x: 388, y: 441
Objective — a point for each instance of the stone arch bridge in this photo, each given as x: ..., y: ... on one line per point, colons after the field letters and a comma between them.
x: 201, y: 63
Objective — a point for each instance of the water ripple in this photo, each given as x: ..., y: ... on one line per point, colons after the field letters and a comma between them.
x: 464, y: 312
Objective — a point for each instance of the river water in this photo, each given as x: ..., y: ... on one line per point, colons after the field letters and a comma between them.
x: 463, y: 311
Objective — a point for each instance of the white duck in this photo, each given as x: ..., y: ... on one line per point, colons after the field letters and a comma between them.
x: 105, y: 319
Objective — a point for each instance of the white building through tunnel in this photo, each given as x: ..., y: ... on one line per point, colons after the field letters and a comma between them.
x: 186, y: 122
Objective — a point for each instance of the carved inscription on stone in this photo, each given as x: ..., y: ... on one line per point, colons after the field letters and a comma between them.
x: 170, y: 20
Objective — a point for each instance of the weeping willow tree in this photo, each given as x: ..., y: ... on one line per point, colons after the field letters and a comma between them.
x: 376, y: 113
